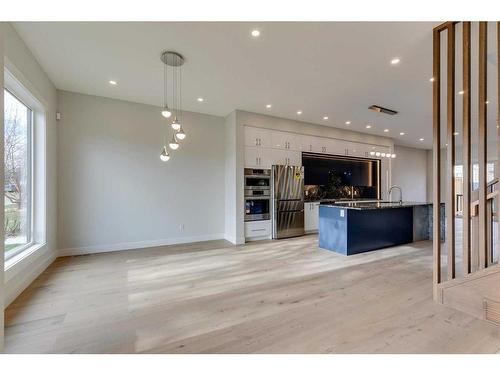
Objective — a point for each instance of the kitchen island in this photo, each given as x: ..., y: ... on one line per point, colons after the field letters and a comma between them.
x: 357, y: 227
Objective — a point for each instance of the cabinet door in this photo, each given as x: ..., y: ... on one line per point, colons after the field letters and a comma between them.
x: 307, y: 144
x: 257, y: 137
x: 308, y: 217
x: 320, y: 145
x: 285, y: 157
x: 311, y: 216
x: 357, y: 149
x: 257, y: 157
x: 285, y: 141
x: 315, y: 216
x: 336, y: 147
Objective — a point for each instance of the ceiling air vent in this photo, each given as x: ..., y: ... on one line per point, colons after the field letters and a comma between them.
x: 380, y: 109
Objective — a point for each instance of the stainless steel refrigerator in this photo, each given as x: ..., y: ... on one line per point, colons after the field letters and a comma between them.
x: 287, y: 194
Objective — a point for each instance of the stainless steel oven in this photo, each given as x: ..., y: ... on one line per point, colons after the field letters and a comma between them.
x: 257, y: 208
x: 257, y: 194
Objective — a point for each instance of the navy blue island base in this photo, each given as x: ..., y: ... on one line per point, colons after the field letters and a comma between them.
x: 351, y: 229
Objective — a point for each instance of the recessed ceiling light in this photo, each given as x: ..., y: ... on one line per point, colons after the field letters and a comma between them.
x: 299, y: 112
x: 456, y: 133
x: 268, y: 105
x: 421, y: 139
x: 402, y: 133
x: 386, y: 130
x: 368, y: 126
x: 461, y: 92
x: 114, y: 83
x: 432, y: 79
x: 325, y: 117
x: 395, y: 61
x: 255, y: 33
x: 348, y: 123
x: 200, y: 99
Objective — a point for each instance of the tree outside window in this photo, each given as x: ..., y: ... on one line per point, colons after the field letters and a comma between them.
x: 17, y: 183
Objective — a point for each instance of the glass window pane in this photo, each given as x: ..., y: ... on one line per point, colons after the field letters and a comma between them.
x: 17, y: 184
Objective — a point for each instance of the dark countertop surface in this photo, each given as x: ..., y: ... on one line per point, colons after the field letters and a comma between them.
x: 374, y: 205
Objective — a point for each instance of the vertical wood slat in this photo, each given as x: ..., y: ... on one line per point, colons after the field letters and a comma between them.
x: 498, y: 137
x: 482, y: 148
x: 450, y: 154
x: 466, y: 147
x: 436, y: 207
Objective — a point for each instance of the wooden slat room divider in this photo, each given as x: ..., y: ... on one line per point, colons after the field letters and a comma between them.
x: 477, y: 207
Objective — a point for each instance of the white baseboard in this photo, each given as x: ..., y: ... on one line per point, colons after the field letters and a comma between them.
x: 234, y: 240
x: 95, y: 249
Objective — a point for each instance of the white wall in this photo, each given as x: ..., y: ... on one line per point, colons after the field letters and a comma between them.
x: 115, y: 193
x: 23, y: 65
x: 409, y: 171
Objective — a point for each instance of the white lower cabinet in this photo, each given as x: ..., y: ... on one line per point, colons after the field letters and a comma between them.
x: 311, y: 216
x: 257, y: 230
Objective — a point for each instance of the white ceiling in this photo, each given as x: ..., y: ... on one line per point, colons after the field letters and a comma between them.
x: 334, y: 69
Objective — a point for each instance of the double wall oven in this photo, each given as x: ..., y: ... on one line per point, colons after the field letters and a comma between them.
x: 257, y: 194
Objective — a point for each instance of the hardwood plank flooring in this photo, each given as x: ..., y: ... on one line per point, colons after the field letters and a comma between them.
x: 284, y: 296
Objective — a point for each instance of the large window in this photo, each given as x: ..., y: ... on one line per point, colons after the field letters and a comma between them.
x: 18, y: 224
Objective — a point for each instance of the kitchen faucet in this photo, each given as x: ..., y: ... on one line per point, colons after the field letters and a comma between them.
x: 400, y: 193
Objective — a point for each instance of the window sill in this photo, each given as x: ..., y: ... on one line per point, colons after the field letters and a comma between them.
x: 11, y: 262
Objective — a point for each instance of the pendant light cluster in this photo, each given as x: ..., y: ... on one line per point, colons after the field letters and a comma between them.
x: 174, y: 61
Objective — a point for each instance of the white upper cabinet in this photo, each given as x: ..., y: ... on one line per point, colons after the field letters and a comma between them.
x: 285, y: 140
x: 257, y: 157
x: 257, y: 137
x: 306, y: 143
x: 286, y: 157
x: 357, y: 149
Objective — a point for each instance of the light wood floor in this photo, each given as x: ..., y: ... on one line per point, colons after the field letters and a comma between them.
x: 283, y: 296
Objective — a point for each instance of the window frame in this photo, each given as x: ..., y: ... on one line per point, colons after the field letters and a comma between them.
x: 17, y: 84
x: 30, y: 183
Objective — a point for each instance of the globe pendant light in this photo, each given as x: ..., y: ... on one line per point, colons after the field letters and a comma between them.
x: 175, y: 61
x: 175, y: 124
x: 166, y: 112
x: 164, y: 156
x: 180, y: 134
x: 174, y: 145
